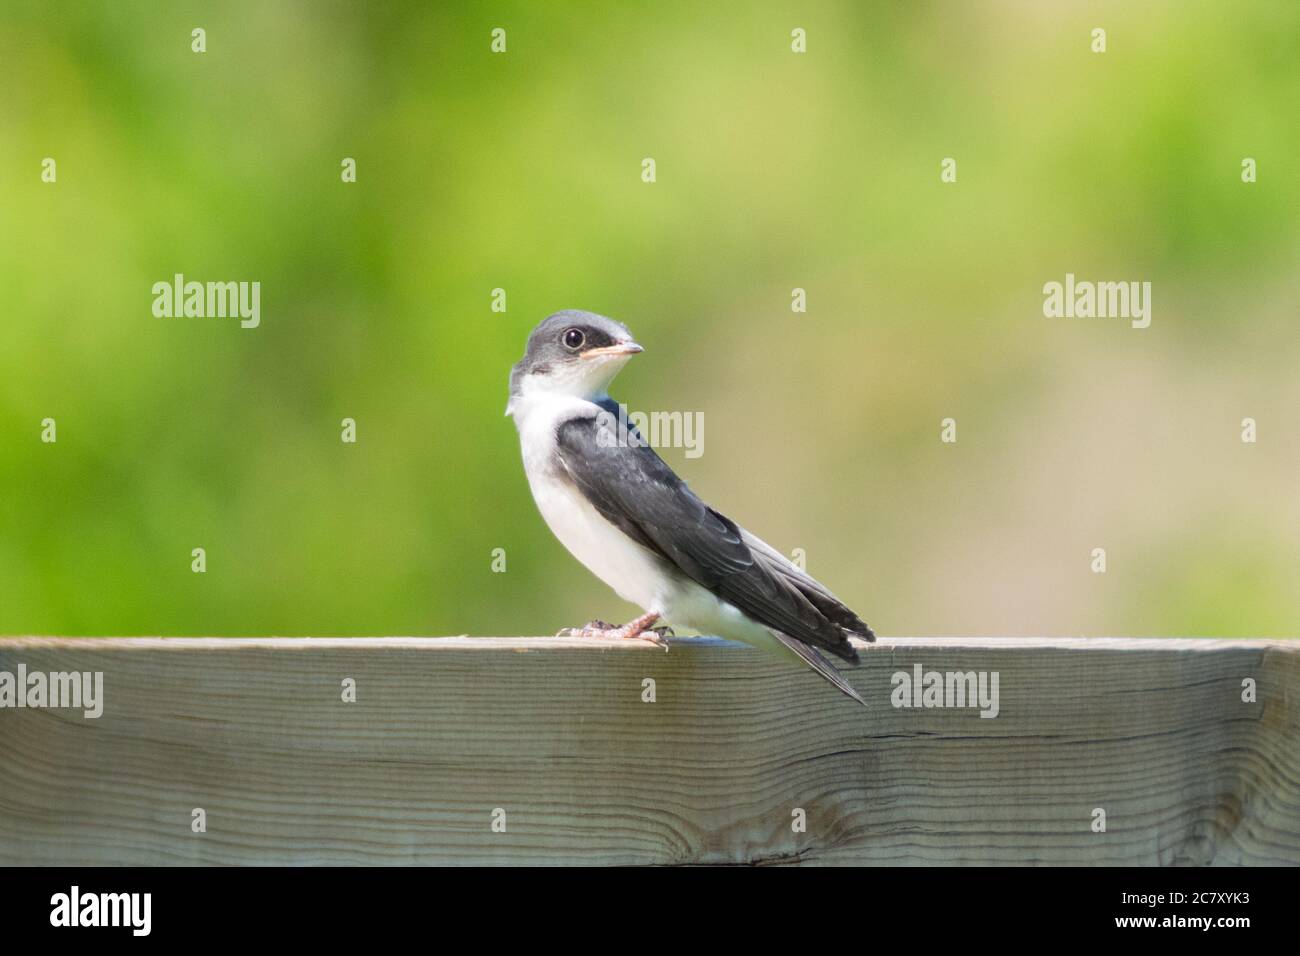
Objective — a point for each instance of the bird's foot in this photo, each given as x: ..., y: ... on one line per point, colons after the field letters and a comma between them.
x: 652, y: 636
x: 590, y: 629
x: 640, y: 630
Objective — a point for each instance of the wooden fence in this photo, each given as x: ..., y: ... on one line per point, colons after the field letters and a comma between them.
x: 549, y: 751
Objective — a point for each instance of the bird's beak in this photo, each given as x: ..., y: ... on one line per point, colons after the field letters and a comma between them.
x: 621, y: 348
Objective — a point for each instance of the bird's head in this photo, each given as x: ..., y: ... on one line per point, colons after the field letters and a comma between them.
x: 572, y: 354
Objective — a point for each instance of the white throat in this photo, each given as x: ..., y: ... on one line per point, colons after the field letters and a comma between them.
x: 576, y: 387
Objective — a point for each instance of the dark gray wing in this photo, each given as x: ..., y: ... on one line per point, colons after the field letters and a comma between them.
x: 632, y: 487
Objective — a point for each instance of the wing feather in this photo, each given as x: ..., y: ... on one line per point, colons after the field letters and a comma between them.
x: 632, y: 487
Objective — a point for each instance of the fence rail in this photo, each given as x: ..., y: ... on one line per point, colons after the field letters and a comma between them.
x: 546, y: 750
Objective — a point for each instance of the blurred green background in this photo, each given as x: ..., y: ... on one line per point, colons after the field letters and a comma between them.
x: 775, y: 171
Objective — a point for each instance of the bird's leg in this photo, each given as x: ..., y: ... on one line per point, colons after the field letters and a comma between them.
x: 641, y: 629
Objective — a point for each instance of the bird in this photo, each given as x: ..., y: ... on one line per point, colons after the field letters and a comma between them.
x: 624, y: 514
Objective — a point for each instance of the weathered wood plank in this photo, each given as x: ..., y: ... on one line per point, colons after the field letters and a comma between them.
x: 555, y: 732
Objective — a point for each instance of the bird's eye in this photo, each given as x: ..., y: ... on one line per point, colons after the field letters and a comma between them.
x: 573, y: 339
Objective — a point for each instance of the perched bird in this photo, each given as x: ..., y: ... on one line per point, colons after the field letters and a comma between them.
x: 621, y: 511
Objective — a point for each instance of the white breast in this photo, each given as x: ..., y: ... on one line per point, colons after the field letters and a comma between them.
x: 635, y: 573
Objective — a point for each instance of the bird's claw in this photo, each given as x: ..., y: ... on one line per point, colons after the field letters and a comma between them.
x: 590, y: 629
x: 654, y: 635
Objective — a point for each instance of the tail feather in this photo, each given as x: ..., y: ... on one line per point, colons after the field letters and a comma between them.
x: 814, y: 659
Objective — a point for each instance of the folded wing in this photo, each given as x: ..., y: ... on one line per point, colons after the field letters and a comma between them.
x: 633, y: 488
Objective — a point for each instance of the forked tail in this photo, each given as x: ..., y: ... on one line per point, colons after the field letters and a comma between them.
x: 814, y: 659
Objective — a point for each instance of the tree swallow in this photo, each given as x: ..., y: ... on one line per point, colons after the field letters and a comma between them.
x: 622, y: 512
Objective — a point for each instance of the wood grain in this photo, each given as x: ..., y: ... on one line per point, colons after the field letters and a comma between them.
x: 554, y: 731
